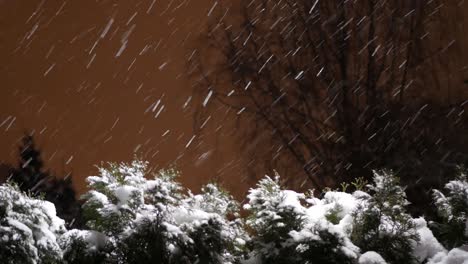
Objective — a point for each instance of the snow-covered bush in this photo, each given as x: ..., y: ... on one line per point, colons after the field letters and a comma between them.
x: 28, y: 228
x: 427, y: 246
x: 195, y: 230
x: 155, y: 220
x: 215, y: 239
x: 132, y: 219
x: 454, y: 256
x: 371, y: 257
x: 115, y: 197
x: 452, y: 207
x: 381, y: 223
x: 286, y: 231
x: 149, y: 241
x: 84, y: 246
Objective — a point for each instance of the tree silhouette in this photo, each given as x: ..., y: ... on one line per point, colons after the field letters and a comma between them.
x: 326, y: 91
x: 31, y: 177
x: 29, y: 174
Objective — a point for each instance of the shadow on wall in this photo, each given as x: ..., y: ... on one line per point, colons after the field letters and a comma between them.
x: 335, y: 89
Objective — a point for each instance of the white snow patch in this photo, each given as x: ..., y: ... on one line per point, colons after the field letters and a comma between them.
x: 371, y: 257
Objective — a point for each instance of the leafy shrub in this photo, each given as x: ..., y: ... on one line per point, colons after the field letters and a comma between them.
x: 381, y: 223
x: 153, y: 220
x: 284, y: 232
x: 452, y: 226
x: 84, y: 246
x: 132, y: 219
x: 28, y: 228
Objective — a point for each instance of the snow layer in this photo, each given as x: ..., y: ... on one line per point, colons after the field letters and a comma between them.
x: 455, y: 256
x: 371, y: 257
x: 428, y: 246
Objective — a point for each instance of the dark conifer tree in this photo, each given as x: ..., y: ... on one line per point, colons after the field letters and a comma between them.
x: 31, y: 177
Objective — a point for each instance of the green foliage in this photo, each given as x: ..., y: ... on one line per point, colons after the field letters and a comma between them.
x: 214, y: 199
x: 148, y: 243
x: 164, y: 189
x: 323, y: 250
x: 452, y: 226
x: 344, y: 186
x: 210, y: 240
x: 381, y: 223
x: 31, y: 177
x: 28, y: 228
x: 153, y: 220
x: 359, y: 184
x: 283, y: 233
x: 114, y: 197
x: 270, y: 220
x: 133, y: 219
x: 81, y: 246
x: 208, y: 244
x: 333, y: 216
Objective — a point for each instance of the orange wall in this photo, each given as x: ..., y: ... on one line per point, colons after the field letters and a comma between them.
x: 85, y: 104
x: 62, y: 80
